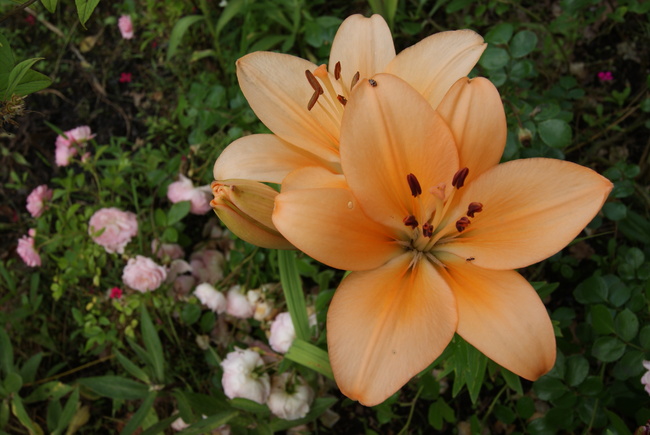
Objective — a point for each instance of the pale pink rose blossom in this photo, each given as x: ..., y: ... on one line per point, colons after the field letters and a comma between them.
x: 184, y: 190
x: 179, y: 425
x: 76, y: 136
x: 211, y: 297
x: 289, y: 405
x: 207, y: 265
x: 242, y: 377
x: 282, y: 333
x: 119, y: 227
x: 37, y: 199
x: 143, y: 274
x: 126, y: 26
x: 27, y: 251
x: 645, y: 380
x: 172, y: 251
x: 63, y: 154
x: 238, y: 305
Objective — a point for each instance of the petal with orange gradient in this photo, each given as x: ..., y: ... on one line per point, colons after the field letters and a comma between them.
x: 361, y: 44
x: 532, y: 208
x: 388, y: 132
x: 501, y: 315
x: 474, y: 112
x: 386, y: 325
x: 328, y: 225
x: 313, y: 177
x: 278, y: 91
x: 434, y: 64
x: 261, y: 157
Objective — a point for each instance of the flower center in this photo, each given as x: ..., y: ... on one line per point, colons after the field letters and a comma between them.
x: 321, y: 82
x: 435, y: 226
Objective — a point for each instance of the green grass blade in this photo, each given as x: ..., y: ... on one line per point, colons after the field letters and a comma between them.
x: 153, y: 345
x: 292, y: 288
x: 310, y: 356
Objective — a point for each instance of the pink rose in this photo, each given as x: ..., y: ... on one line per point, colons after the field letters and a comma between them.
x: 27, y: 251
x: 115, y: 293
x: 238, y: 304
x: 242, y: 377
x: 119, y: 227
x: 126, y: 26
x: 67, y: 144
x: 282, y: 333
x: 184, y: 190
x: 172, y: 251
x: 143, y: 274
x: 63, y: 154
x: 36, y: 200
x: 645, y: 379
x: 207, y: 265
x: 211, y: 298
x: 290, y: 397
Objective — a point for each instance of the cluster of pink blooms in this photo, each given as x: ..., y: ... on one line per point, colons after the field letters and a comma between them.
x: 27, y: 251
x: 143, y: 274
x: 113, y: 228
x: 69, y: 144
x: 605, y: 76
x: 37, y: 200
x: 288, y: 396
x: 126, y: 26
x: 37, y: 203
x: 184, y: 190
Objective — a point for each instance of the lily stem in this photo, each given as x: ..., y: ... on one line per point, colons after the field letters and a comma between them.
x: 408, y: 421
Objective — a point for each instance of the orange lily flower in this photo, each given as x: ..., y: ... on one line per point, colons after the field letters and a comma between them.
x: 432, y: 228
x: 302, y: 103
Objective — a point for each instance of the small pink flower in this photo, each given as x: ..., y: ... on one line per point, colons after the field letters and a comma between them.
x: 30, y: 20
x: 242, y: 377
x: 282, y: 333
x: 37, y: 198
x: 645, y: 380
x: 115, y: 293
x: 211, y: 298
x: 184, y: 190
x: 207, y: 265
x: 171, y: 251
x: 290, y: 397
x: 605, y: 76
x: 27, y: 251
x: 119, y: 227
x: 126, y: 26
x: 125, y: 77
x: 143, y: 274
x: 68, y: 144
x: 238, y: 304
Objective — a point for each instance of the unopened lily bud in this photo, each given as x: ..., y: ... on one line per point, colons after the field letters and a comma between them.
x: 245, y: 207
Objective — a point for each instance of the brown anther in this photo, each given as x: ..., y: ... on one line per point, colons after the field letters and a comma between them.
x: 372, y: 83
x: 313, y: 82
x: 427, y: 229
x: 474, y: 207
x: 462, y: 223
x: 337, y: 70
x: 355, y: 79
x: 414, y: 184
x: 410, y: 221
x: 342, y: 99
x: 459, y: 178
x: 312, y: 100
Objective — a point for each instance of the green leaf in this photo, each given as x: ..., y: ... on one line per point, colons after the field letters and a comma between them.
x: 630, y: 366
x: 50, y: 5
x: 608, y: 349
x: 494, y: 58
x: 179, y: 30
x: 469, y: 367
x: 16, y: 75
x: 555, y: 133
x: 85, y: 8
x: 250, y: 406
x: 293, y: 293
x: 513, y: 381
x: 131, y: 367
x: 591, y: 291
x: 6, y: 353
x: 548, y: 388
x: 28, y: 370
x: 139, y: 416
x: 634, y: 257
x: 116, y: 387
x: 500, y: 34
x: 627, y: 325
x: 7, y: 60
x: 525, y: 407
x: 177, y: 212
x: 206, y: 425
x: 13, y: 383
x: 153, y: 345
x: 438, y: 411
x: 577, y: 369
x: 523, y: 43
x: 33, y: 81
x: 68, y: 412
x: 310, y: 356
x: 602, y: 319
x: 18, y: 409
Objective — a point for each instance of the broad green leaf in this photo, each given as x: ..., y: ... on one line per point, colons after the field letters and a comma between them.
x: 177, y: 212
x: 469, y: 366
x: 615, y: 211
x: 310, y: 356
x: 29, y: 368
x: 577, y: 369
x: 591, y: 291
x: 153, y: 345
x: 18, y: 410
x: 179, y: 30
x: 85, y: 8
x: 523, y: 43
x: 116, y: 387
x: 50, y: 5
x: 13, y: 382
x: 68, y: 412
x: 601, y: 319
x: 627, y: 325
x: 16, y: 75
x: 500, y: 34
x: 131, y: 367
x: 250, y: 406
x: 33, y: 81
x: 139, y: 416
x: 438, y: 411
x: 6, y: 353
x: 494, y: 58
x: 513, y: 381
x: 7, y: 60
x: 608, y: 349
x: 229, y: 12
x: 555, y: 133
x: 206, y: 425
x: 548, y: 388
x: 630, y: 366
x: 293, y: 293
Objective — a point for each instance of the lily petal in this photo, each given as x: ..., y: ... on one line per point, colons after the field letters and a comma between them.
x: 532, y: 208
x: 474, y: 112
x: 362, y: 44
x: 328, y: 225
x: 434, y: 64
x: 386, y: 325
x: 261, y: 157
x: 388, y: 132
x: 313, y: 177
x: 278, y: 91
x: 501, y: 315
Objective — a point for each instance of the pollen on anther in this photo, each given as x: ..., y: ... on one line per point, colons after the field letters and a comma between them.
x: 459, y: 178
x: 313, y: 82
x: 414, y: 185
x: 411, y: 221
x: 474, y: 207
x: 427, y: 229
x: 342, y: 99
x: 462, y: 223
x: 312, y: 100
x: 337, y: 70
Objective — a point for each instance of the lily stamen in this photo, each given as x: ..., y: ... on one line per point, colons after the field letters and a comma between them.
x: 337, y: 70
x: 474, y: 207
x: 459, y: 178
x: 462, y: 223
x: 411, y: 221
x: 414, y: 185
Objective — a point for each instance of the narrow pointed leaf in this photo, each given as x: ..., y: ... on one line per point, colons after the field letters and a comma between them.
x: 68, y: 412
x: 17, y: 74
x: 50, y: 5
x: 310, y: 356
x: 139, y: 416
x: 153, y: 345
x: 293, y: 293
x: 85, y: 8
x: 131, y: 367
x: 116, y: 387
